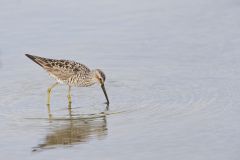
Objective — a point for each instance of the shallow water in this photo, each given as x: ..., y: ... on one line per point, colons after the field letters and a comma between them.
x: 172, y: 79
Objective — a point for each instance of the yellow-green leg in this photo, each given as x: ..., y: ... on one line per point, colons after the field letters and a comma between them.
x: 49, y: 92
x: 49, y: 112
x: 69, y: 95
x: 70, y: 110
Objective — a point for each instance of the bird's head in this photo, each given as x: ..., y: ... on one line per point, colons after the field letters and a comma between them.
x: 100, y: 78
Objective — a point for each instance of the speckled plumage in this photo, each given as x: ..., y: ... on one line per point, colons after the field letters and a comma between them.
x: 65, y: 71
x: 70, y: 72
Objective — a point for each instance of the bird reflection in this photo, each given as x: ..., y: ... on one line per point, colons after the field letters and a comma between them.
x: 74, y: 130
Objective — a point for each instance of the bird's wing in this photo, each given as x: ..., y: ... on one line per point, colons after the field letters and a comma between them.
x: 62, y: 69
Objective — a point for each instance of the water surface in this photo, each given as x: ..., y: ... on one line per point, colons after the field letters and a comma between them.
x: 172, y: 79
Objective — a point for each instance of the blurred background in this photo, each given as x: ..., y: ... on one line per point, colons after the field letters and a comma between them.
x: 172, y: 71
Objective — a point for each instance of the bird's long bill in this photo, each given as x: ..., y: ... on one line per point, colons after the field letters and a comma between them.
x: 105, y: 93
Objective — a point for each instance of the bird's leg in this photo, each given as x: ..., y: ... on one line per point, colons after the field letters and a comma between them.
x: 49, y: 112
x: 49, y: 92
x: 70, y: 110
x: 69, y: 95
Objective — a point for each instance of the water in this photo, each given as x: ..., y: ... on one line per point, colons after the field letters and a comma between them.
x: 172, y: 79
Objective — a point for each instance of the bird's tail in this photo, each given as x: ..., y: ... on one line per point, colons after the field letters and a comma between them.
x: 39, y: 60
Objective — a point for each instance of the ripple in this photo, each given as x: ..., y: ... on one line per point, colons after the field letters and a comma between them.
x: 176, y: 98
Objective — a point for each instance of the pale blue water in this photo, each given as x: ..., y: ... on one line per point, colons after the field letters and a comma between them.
x: 172, y: 79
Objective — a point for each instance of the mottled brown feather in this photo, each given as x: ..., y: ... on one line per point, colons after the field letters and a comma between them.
x: 61, y: 69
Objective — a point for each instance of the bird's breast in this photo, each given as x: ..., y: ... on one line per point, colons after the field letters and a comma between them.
x: 80, y: 81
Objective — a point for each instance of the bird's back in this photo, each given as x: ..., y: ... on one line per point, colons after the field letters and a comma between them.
x: 61, y: 70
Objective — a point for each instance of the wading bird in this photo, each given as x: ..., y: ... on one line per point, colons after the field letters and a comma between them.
x: 70, y: 73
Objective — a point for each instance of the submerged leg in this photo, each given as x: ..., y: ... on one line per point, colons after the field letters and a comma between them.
x: 49, y: 92
x: 69, y: 95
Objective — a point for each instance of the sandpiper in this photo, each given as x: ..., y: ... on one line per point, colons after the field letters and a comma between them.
x: 70, y: 73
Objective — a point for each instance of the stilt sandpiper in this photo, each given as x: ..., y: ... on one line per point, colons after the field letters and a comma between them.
x: 70, y: 73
